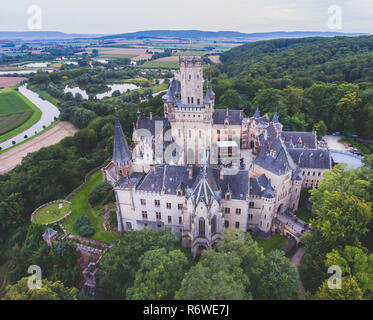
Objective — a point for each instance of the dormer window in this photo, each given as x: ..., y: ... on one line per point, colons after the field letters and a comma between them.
x: 227, y: 196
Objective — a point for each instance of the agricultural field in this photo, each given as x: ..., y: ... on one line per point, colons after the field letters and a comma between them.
x: 16, y: 113
x: 161, y: 64
x: 6, y: 82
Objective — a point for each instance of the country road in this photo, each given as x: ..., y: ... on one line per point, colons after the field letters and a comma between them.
x: 13, y: 157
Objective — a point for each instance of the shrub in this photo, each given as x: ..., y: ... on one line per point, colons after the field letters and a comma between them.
x: 101, y: 193
x: 84, y: 227
x: 86, y: 230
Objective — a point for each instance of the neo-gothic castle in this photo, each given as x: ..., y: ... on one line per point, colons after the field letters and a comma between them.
x: 201, y: 170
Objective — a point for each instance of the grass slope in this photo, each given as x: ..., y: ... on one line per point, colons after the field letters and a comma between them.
x: 81, y: 207
x: 274, y: 242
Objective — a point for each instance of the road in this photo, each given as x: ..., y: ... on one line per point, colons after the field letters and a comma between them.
x: 332, y: 142
x: 13, y: 157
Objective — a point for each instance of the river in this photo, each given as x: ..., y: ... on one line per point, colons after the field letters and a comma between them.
x: 49, y: 112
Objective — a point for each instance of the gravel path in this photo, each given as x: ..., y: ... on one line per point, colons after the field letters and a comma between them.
x: 295, y: 261
x: 13, y: 157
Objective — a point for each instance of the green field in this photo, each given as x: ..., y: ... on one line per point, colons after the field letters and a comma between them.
x: 81, y: 207
x: 16, y: 113
x: 51, y: 213
x: 160, y: 64
x: 274, y: 242
x: 117, y: 55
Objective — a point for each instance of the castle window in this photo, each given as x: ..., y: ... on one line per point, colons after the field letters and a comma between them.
x: 158, y: 216
x: 144, y: 215
x: 188, y: 100
x: 180, y: 206
x: 250, y: 216
x: 157, y: 203
x: 179, y: 193
x: 190, y: 77
x: 128, y: 226
x: 198, y: 101
x: 180, y: 220
x: 227, y: 210
x: 308, y: 173
x: 192, y: 100
x: 238, y: 210
x: 169, y: 219
x: 168, y: 205
x: 237, y: 225
x: 267, y: 224
x: 319, y: 174
x: 265, y: 216
x: 201, y: 227
x: 251, y: 204
x: 226, y: 224
x: 314, y: 173
x: 213, y: 225
x: 227, y: 196
x: 143, y: 202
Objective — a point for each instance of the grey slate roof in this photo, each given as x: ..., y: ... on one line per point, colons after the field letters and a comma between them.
x: 296, y: 175
x: 277, y: 162
x: 311, y: 158
x: 49, y: 233
x: 149, y: 124
x: 169, y: 178
x: 269, y: 192
x: 300, y: 139
x: 121, y: 152
x: 134, y: 179
x: 234, y: 116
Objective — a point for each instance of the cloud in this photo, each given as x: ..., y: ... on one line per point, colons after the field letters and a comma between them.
x: 113, y: 16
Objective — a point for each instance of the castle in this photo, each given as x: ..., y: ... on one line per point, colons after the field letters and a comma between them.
x: 201, y: 170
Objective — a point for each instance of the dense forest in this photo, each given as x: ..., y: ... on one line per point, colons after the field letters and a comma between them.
x: 305, y: 80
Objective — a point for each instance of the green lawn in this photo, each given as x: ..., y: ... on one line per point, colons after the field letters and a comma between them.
x: 11, y: 101
x: 46, y: 96
x: 275, y: 242
x: 81, y: 207
x: 51, y: 213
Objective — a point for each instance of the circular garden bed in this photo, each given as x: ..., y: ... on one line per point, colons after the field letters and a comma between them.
x: 52, y: 212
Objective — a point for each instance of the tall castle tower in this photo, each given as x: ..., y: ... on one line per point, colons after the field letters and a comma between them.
x: 191, y: 78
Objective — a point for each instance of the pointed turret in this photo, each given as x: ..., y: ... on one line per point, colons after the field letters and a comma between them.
x: 275, y: 118
x: 210, y: 91
x: 121, y: 151
x: 257, y: 113
x: 207, y: 96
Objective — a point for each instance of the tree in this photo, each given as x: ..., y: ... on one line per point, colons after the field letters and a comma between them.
x: 279, y: 278
x: 251, y: 254
x: 49, y: 291
x: 354, y: 262
x: 121, y: 263
x: 341, y: 218
x: 159, y: 275
x: 293, y: 98
x: 217, y: 276
x: 320, y: 128
x: 350, y: 291
x: 269, y: 100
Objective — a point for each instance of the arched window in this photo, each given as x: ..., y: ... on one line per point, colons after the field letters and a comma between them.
x: 213, y: 224
x: 198, y: 101
x: 188, y: 100
x: 201, y: 227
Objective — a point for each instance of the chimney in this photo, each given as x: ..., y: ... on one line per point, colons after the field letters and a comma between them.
x: 221, y: 173
x: 190, y: 176
x: 240, y: 113
x: 151, y: 115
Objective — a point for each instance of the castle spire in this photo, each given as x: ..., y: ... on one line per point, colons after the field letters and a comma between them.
x: 121, y: 151
x: 257, y: 113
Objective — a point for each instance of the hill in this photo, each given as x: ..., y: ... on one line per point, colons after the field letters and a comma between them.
x: 347, y: 59
x: 37, y: 35
x: 199, y: 35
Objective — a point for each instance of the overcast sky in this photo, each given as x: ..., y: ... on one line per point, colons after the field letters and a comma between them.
x: 118, y: 16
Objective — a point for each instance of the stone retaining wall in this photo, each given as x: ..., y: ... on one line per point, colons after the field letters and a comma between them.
x: 49, y: 203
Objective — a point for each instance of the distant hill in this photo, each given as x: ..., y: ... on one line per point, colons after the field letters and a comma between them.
x: 43, y: 35
x: 198, y: 35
